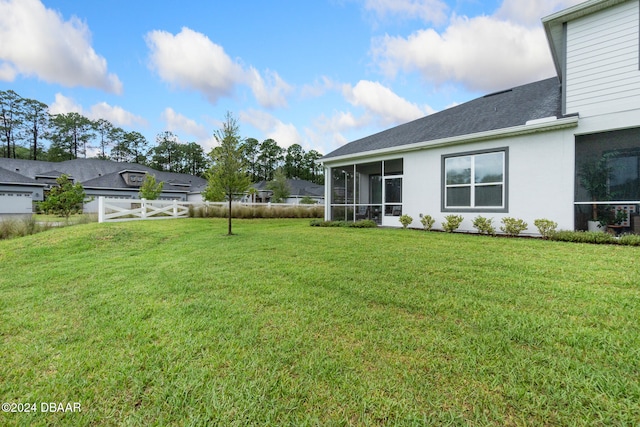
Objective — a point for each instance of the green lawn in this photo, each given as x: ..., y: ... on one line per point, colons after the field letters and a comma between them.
x: 173, y: 323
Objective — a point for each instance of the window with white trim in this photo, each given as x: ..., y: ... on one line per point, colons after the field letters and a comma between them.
x: 475, y: 181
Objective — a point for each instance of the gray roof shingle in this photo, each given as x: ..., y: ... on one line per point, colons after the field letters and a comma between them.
x: 504, y: 109
x: 10, y: 177
x: 96, y: 173
x: 298, y: 187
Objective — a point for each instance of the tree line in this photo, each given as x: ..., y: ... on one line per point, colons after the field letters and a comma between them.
x: 26, y: 124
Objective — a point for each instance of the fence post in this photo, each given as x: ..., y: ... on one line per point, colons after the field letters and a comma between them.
x: 175, y: 208
x: 101, y: 209
x: 143, y: 208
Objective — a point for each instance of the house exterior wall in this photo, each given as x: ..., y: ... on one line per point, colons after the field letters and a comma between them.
x: 18, y: 199
x: 602, y: 61
x: 540, y: 181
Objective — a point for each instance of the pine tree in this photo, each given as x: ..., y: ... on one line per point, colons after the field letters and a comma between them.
x: 228, y: 177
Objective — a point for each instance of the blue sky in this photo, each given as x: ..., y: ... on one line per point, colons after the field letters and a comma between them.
x: 318, y: 73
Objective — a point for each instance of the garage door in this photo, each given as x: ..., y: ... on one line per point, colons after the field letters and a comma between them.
x: 15, y: 203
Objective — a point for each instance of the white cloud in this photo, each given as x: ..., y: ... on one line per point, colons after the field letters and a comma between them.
x: 383, y: 103
x: 319, y: 88
x: 37, y: 41
x: 176, y: 122
x: 342, y: 121
x: 64, y: 105
x: 270, y: 94
x: 434, y: 11
x: 190, y: 60
x: 531, y: 12
x: 325, y: 142
x: 482, y: 53
x: 118, y: 116
x: 285, y: 134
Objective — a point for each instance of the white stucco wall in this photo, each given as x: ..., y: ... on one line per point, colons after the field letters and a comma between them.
x: 540, y: 180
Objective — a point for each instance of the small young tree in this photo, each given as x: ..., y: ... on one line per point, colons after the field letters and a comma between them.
x: 228, y: 177
x: 65, y: 198
x: 151, y: 189
x: 279, y: 186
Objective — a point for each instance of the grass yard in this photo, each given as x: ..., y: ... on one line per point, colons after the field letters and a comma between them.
x: 173, y: 323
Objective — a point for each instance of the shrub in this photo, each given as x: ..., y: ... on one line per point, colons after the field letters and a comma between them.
x: 629, y: 239
x: 513, y: 226
x: 405, y: 220
x: 365, y: 223
x: 484, y: 225
x: 452, y: 223
x: 583, y: 237
x: 427, y: 221
x: 306, y: 200
x: 321, y: 223
x: 546, y: 227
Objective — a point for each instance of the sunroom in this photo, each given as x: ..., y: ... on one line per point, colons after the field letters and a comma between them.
x: 607, y: 184
x: 370, y: 190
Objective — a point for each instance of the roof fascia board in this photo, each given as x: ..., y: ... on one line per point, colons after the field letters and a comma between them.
x: 580, y: 10
x: 562, y: 123
x: 25, y: 184
x: 129, y: 189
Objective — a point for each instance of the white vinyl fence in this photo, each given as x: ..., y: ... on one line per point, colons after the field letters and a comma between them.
x: 114, y: 210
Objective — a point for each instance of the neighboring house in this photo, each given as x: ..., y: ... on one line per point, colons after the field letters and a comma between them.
x: 299, y: 189
x: 17, y: 194
x: 518, y: 152
x: 98, y: 177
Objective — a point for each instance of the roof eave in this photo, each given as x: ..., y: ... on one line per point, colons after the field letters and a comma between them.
x: 25, y: 184
x: 545, y: 126
x: 90, y: 187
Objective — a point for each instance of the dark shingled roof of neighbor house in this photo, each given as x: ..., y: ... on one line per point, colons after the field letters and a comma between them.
x: 500, y: 110
x: 14, y: 178
x: 298, y: 187
x: 95, y: 173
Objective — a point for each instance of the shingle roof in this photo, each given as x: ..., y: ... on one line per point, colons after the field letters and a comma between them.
x: 114, y: 180
x: 10, y: 177
x: 504, y: 109
x: 298, y: 187
x: 98, y: 173
x: 50, y: 174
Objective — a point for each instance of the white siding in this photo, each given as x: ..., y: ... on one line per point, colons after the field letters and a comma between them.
x: 602, y: 67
